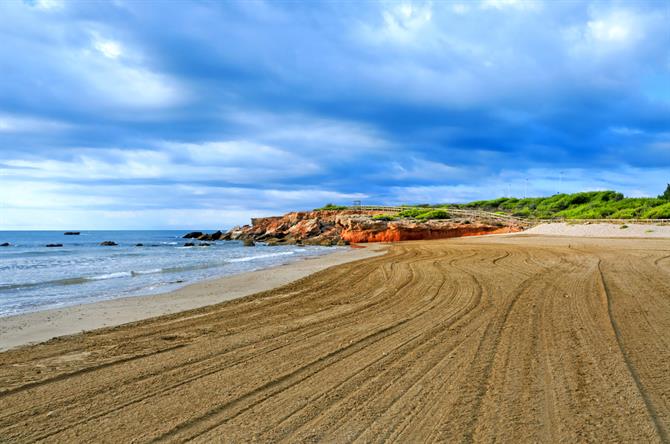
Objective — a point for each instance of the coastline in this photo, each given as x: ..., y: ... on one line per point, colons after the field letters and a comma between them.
x: 39, y: 326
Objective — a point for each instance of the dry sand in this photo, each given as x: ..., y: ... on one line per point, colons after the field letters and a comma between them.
x: 42, y: 325
x: 507, y: 339
x: 602, y: 230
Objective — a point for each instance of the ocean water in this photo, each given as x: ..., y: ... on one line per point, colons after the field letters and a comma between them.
x: 34, y: 277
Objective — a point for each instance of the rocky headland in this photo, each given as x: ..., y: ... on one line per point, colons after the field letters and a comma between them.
x: 341, y: 227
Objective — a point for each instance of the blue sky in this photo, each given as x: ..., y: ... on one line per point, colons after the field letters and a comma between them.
x: 130, y: 114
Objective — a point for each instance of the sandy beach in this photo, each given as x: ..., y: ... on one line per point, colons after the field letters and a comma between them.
x: 508, y: 338
x: 46, y: 324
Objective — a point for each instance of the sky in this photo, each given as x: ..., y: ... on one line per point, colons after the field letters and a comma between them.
x: 202, y: 114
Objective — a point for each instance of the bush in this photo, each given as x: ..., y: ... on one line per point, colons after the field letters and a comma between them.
x: 659, y: 212
x: 412, y: 212
x: 331, y: 206
x: 434, y: 214
x: 386, y: 217
x: 586, y: 205
x: 666, y: 193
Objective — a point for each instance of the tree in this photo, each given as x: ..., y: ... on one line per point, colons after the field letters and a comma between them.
x: 666, y: 193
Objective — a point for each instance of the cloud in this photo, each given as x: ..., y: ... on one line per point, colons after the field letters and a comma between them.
x: 134, y: 112
x: 108, y: 48
x: 19, y: 124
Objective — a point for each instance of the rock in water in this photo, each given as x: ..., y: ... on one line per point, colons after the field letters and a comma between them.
x: 72, y: 233
x: 5, y: 244
x: 108, y: 244
x: 193, y: 235
x: 249, y: 243
x: 189, y: 244
x: 54, y: 245
x: 139, y: 245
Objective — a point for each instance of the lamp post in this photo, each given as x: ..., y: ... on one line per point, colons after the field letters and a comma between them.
x: 525, y: 189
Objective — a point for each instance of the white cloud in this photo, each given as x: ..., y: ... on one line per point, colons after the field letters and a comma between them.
x: 231, y: 161
x: 608, y: 32
x: 401, y: 23
x: 19, y: 124
x: 625, y: 131
x: 339, y: 137
x: 510, y: 4
x: 617, y: 27
x: 120, y: 78
x: 460, y: 8
x: 421, y: 169
x: 49, y: 5
x: 108, y: 48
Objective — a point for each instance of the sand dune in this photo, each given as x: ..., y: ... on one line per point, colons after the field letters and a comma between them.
x: 518, y: 339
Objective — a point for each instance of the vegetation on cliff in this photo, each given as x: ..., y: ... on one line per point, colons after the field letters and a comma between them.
x: 588, y: 205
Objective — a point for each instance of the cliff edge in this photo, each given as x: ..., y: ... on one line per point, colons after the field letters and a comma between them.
x: 341, y: 227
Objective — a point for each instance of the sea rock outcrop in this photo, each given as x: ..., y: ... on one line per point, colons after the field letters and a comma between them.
x: 358, y: 226
x: 54, y: 245
x: 72, y: 233
x: 199, y: 235
x: 108, y: 244
x: 4, y: 244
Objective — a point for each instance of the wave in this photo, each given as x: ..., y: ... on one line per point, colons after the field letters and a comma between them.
x: 260, y: 256
x: 79, y: 280
x: 134, y: 273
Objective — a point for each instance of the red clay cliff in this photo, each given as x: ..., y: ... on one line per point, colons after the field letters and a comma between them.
x: 335, y: 227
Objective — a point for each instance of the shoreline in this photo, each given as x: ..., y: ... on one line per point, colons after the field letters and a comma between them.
x: 39, y: 326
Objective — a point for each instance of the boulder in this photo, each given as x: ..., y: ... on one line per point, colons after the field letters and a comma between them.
x: 193, y: 235
x: 139, y: 245
x: 108, y: 244
x: 72, y: 233
x: 216, y: 236
x: 189, y: 244
x: 204, y: 244
x: 249, y: 243
x: 4, y: 244
x: 54, y: 245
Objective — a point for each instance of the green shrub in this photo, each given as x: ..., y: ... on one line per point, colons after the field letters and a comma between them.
x: 412, y: 212
x: 666, y: 193
x: 659, y: 212
x: 586, y: 205
x: 386, y: 217
x: 331, y: 206
x: 433, y: 214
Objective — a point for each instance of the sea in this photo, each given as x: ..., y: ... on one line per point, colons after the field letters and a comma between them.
x: 34, y: 277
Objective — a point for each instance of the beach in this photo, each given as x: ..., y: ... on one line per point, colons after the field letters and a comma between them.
x: 42, y: 325
x: 508, y: 338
